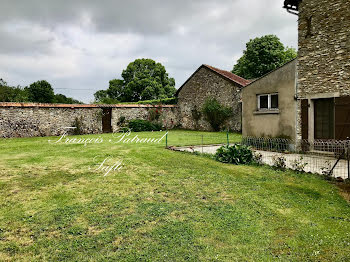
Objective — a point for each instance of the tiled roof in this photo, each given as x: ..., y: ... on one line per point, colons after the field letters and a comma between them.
x: 17, y: 104
x: 229, y: 75
x: 225, y: 74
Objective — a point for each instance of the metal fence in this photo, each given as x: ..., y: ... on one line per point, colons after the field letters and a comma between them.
x: 326, y: 157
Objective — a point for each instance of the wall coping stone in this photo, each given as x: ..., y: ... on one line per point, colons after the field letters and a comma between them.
x: 47, y: 105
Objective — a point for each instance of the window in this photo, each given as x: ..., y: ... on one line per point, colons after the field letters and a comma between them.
x: 268, y: 102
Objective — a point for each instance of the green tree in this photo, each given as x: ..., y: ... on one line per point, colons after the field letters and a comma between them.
x: 12, y: 94
x: 62, y: 99
x: 262, y: 55
x: 41, y: 92
x: 143, y: 79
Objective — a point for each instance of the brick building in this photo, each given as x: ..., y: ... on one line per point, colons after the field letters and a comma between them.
x: 323, y: 81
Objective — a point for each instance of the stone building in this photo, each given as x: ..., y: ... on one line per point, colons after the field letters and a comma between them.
x: 205, y: 82
x: 323, y: 85
x: 269, y: 105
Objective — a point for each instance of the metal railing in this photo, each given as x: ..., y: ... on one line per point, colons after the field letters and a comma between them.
x: 326, y: 157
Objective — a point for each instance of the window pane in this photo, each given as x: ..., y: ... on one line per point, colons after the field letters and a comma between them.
x: 264, y: 102
x: 274, y: 101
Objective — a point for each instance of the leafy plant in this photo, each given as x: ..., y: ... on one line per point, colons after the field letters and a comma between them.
x: 138, y: 125
x: 154, y: 114
x: 299, y: 165
x: 121, y: 121
x: 215, y: 113
x: 236, y: 154
x: 257, y: 158
x: 279, y: 162
x: 78, y: 124
x: 326, y: 170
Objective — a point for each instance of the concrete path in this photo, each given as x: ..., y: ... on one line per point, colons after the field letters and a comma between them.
x: 318, y: 164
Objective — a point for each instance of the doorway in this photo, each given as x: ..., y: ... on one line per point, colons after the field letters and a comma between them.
x: 324, y: 118
x: 107, y: 120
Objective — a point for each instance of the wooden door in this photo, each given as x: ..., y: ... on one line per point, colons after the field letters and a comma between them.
x: 342, y: 118
x: 324, y: 118
x: 304, y: 119
x: 107, y: 120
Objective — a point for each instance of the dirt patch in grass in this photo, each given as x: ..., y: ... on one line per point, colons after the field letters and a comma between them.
x: 344, y: 190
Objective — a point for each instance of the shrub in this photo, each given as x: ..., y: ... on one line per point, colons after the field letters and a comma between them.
x: 121, y: 121
x: 236, y: 154
x: 154, y: 114
x: 258, y: 158
x: 279, y: 162
x: 78, y: 124
x: 215, y: 113
x: 299, y: 165
x: 138, y: 125
x: 326, y: 170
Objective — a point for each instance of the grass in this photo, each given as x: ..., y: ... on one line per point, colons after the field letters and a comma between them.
x: 161, y: 206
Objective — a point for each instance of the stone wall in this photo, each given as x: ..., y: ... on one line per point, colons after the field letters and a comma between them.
x: 324, y: 47
x: 168, y: 115
x: 324, y: 51
x: 29, y: 120
x: 203, y: 84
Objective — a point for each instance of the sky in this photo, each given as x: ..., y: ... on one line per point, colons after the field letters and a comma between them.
x: 79, y: 45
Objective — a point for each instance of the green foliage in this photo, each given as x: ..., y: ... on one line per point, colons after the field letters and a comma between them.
x: 237, y: 154
x: 12, y: 94
x: 41, y: 92
x: 121, y: 121
x: 262, y: 55
x: 138, y: 125
x: 299, y: 164
x: 78, y: 124
x: 279, y: 162
x: 164, y: 101
x: 143, y: 79
x: 62, y: 99
x: 215, y: 113
x: 154, y: 114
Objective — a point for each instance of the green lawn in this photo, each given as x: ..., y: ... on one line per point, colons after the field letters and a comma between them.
x: 161, y: 205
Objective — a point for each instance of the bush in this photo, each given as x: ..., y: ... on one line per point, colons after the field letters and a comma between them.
x: 299, y: 164
x: 138, y: 125
x: 236, y: 154
x: 78, y: 124
x: 154, y: 114
x: 215, y: 113
x: 279, y: 162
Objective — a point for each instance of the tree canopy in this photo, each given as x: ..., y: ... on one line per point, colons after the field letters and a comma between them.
x: 143, y: 79
x: 40, y: 91
x: 262, y: 55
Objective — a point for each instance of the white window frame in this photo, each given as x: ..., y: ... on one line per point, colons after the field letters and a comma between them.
x: 268, y: 102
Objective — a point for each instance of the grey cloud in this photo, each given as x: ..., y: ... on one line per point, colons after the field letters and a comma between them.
x: 82, y: 44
